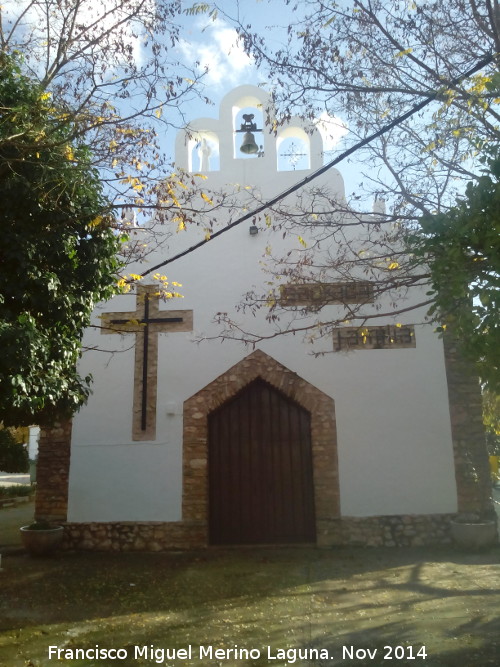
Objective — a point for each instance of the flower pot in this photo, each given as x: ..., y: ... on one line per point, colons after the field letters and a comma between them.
x: 41, y: 541
x: 474, y: 535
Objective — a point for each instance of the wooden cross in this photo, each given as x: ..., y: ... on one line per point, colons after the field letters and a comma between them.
x: 146, y: 323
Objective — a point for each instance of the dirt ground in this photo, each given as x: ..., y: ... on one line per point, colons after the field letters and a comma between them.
x: 250, y: 607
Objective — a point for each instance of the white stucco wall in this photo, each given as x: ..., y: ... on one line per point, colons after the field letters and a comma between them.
x: 394, y: 438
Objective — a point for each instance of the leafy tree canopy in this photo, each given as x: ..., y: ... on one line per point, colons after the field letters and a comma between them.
x: 112, y: 68
x: 57, y: 252
x: 13, y: 454
x: 491, y: 412
x: 462, y: 250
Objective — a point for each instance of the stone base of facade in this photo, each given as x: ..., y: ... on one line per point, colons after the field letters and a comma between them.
x: 388, y: 531
x: 378, y: 531
x: 135, y: 536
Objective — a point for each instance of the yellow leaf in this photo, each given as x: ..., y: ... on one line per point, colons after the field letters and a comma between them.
x: 302, y: 242
x: 268, y: 220
x: 68, y: 153
x: 158, y: 112
x: 123, y: 286
x: 393, y: 265
x: 206, y: 198
x: 207, y: 235
x: 403, y: 53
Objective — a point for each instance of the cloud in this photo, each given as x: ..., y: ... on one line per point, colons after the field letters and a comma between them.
x: 221, y: 54
x: 331, y: 128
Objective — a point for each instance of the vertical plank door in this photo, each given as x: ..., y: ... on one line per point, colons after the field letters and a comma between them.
x: 260, y: 470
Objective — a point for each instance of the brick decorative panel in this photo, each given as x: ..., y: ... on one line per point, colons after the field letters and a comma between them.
x: 323, y: 294
x: 388, y: 337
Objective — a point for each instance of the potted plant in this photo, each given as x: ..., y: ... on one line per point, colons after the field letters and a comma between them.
x: 473, y: 532
x: 41, y: 538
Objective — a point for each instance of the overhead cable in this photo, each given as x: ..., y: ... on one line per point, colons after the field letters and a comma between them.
x: 397, y: 121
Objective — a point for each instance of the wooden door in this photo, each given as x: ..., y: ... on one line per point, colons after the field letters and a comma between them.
x: 260, y: 470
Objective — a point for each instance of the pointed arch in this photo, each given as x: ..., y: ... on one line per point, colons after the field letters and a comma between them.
x: 323, y: 437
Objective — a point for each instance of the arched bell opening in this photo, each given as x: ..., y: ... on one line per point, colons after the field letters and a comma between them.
x: 293, y: 150
x: 204, y: 152
x: 248, y: 124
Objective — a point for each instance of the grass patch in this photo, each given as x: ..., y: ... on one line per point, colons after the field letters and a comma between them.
x: 16, y: 491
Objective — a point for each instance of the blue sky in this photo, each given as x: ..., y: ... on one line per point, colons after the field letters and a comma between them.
x: 214, y: 44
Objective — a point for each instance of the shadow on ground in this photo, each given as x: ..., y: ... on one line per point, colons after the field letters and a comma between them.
x: 322, y: 606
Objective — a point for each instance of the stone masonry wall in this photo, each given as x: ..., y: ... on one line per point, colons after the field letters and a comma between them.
x: 133, y: 536
x: 378, y: 531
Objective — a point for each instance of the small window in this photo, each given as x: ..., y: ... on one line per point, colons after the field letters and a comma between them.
x: 293, y: 150
x: 323, y: 294
x: 388, y: 337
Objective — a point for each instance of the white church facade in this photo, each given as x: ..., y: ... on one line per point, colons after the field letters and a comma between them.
x: 186, y: 442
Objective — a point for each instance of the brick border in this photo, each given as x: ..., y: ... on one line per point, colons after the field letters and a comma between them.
x: 323, y: 439
x: 472, y: 470
x: 52, y: 474
x: 133, y: 327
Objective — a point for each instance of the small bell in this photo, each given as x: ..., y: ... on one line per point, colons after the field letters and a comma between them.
x: 248, y: 145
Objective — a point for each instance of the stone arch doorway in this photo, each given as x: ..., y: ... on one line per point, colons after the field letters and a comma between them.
x: 260, y: 481
x: 323, y: 441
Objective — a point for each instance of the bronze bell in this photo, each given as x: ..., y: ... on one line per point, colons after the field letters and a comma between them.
x: 248, y: 145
